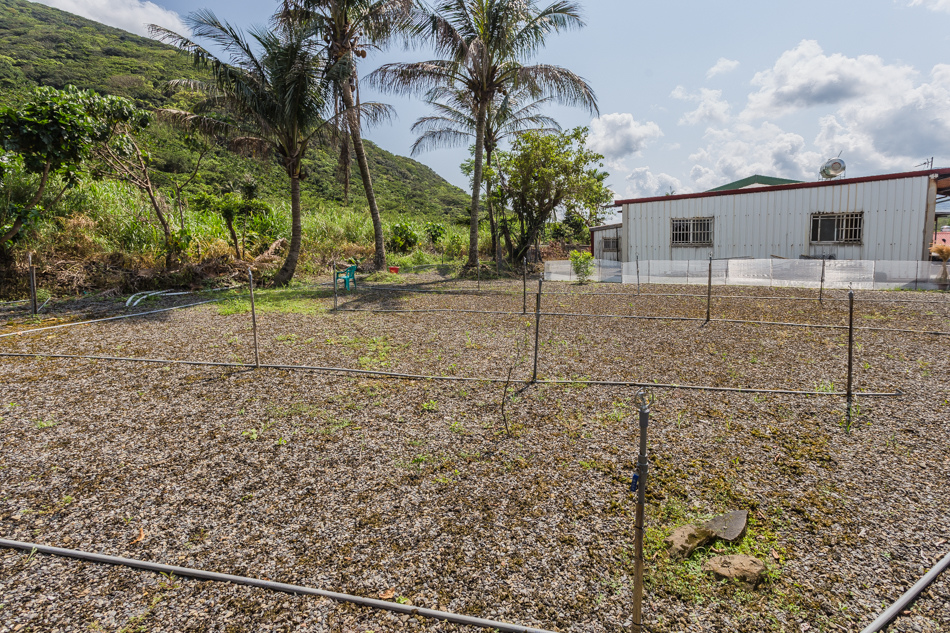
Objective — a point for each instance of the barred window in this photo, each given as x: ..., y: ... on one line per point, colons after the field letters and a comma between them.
x: 611, y: 244
x: 837, y: 228
x: 692, y: 231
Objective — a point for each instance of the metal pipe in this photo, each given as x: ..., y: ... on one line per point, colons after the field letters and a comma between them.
x: 123, y: 316
x: 250, y: 279
x: 334, y: 286
x: 187, y: 572
x: 638, y: 274
x: 904, y: 601
x: 469, y: 291
x: 821, y: 283
x: 643, y: 467
x: 850, y: 354
x: 385, y: 374
x: 524, y: 286
x: 537, y: 329
x: 642, y: 317
x: 32, y: 273
x: 709, y: 290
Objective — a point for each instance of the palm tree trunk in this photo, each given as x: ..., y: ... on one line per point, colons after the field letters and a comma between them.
x: 477, y: 183
x: 379, y: 261
x: 286, y: 272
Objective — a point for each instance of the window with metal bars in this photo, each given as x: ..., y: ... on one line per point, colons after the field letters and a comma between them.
x: 837, y: 228
x: 611, y: 244
x: 691, y: 231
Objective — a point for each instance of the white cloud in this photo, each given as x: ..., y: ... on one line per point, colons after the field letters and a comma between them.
x: 643, y: 183
x: 724, y: 65
x: 933, y: 5
x: 896, y: 133
x: 619, y: 135
x: 805, y: 77
x: 711, y: 108
x: 742, y: 150
x: 129, y: 15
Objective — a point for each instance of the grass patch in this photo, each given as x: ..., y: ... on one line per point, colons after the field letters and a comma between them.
x: 284, y: 300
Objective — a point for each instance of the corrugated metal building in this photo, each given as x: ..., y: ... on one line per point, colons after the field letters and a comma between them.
x: 887, y: 217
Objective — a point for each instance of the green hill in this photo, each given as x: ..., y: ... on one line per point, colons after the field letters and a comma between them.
x: 40, y: 45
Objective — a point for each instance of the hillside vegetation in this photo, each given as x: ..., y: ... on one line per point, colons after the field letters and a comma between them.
x: 40, y: 45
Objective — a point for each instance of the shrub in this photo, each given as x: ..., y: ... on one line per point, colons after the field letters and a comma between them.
x: 434, y: 231
x: 403, y: 237
x: 582, y: 262
x: 454, y: 246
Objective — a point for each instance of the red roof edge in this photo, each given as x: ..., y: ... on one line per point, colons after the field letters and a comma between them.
x: 801, y: 185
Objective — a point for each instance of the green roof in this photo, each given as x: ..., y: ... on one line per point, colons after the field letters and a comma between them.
x: 755, y: 180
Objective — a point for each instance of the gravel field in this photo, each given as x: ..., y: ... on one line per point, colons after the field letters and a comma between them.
x: 423, y: 491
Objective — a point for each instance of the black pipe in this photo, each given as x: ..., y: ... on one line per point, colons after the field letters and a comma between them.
x: 124, y: 316
x: 537, y: 329
x: 385, y: 374
x: 198, y: 574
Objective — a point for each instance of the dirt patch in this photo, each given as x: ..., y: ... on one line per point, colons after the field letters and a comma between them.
x: 365, y: 485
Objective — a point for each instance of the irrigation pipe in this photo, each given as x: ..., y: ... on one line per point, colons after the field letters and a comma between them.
x: 388, y: 374
x: 464, y: 291
x: 894, y: 610
x: 641, y: 317
x: 187, y: 572
x: 123, y: 316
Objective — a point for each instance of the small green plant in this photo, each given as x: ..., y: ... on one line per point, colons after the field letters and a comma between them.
x: 46, y: 424
x: 434, y: 231
x: 280, y: 442
x: 402, y: 237
x: 430, y: 406
x: 456, y: 427
x: 253, y: 434
x: 825, y: 386
x: 402, y: 599
x: 582, y: 263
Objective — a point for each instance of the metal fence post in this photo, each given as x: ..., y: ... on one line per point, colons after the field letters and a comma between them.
x: 478, y: 271
x: 250, y: 278
x: 524, y: 284
x: 639, y: 486
x: 32, y: 273
x: 537, y: 328
x: 709, y: 291
x: 850, y: 393
x: 638, y: 274
x: 334, y: 285
x: 821, y: 283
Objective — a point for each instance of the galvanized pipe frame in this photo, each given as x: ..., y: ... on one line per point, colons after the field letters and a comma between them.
x: 198, y: 574
x: 909, y: 597
x: 639, y: 317
x: 463, y: 292
x: 386, y: 374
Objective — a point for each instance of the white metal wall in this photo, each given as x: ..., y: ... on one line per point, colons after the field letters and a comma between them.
x: 762, y: 224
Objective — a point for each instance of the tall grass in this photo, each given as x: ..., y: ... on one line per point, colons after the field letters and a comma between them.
x: 103, y: 219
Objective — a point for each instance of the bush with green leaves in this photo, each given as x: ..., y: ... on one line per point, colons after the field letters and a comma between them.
x: 434, y: 231
x: 402, y: 237
x: 582, y: 263
x: 557, y: 231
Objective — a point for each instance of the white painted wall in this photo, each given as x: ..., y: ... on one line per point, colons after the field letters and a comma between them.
x: 898, y: 222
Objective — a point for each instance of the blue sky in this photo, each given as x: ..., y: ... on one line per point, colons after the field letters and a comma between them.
x: 696, y: 94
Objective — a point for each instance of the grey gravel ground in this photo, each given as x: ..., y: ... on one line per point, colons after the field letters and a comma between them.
x: 414, y: 490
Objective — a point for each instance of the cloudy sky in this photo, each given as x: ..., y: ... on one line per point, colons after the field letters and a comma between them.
x: 693, y: 95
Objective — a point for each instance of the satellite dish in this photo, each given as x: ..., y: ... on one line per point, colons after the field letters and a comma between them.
x: 832, y: 168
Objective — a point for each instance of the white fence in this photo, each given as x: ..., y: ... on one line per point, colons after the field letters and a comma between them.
x: 801, y: 273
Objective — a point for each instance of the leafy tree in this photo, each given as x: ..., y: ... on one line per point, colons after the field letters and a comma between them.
x: 454, y: 123
x: 403, y: 237
x: 484, y: 44
x: 275, y: 91
x: 349, y: 28
x: 544, y: 173
x: 434, y: 231
x: 50, y: 135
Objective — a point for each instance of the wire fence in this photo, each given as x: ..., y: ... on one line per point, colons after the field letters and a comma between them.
x: 774, y: 273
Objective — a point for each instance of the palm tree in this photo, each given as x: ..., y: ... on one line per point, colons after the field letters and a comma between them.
x: 455, y: 120
x: 274, y: 90
x: 348, y: 28
x: 483, y: 44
